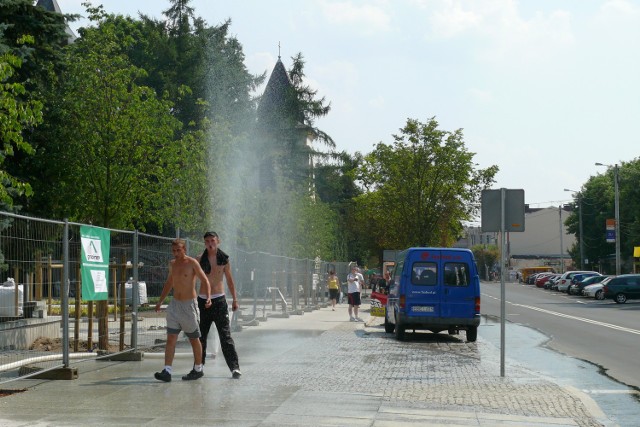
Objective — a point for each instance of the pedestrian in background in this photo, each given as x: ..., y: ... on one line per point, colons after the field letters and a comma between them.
x: 354, y: 287
x: 333, y: 285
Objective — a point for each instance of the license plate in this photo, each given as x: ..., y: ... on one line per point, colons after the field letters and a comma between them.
x: 422, y: 308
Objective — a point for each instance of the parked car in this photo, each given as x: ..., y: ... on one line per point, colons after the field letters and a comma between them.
x: 552, y: 281
x: 578, y: 278
x: 595, y: 290
x: 565, y: 279
x: 542, y: 279
x: 623, y: 287
x: 577, y: 288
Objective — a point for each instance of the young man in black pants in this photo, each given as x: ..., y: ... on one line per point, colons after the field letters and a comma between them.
x: 217, y: 267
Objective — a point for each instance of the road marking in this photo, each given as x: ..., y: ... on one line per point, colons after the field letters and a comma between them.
x: 581, y: 319
x: 568, y: 316
x: 630, y: 391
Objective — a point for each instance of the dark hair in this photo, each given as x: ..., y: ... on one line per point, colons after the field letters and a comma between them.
x: 221, y: 259
x: 210, y: 234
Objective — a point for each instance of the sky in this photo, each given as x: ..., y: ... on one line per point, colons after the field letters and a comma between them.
x: 543, y: 89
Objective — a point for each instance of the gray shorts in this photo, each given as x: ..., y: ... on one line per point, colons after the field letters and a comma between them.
x: 183, y: 315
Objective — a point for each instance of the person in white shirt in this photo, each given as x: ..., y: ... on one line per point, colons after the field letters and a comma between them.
x: 354, y: 286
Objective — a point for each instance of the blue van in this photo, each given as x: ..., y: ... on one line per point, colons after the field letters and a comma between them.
x: 436, y: 289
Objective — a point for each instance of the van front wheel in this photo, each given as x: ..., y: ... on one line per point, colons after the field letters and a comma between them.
x: 472, y: 333
x: 399, y: 332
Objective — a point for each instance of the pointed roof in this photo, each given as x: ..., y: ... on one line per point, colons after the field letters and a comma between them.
x: 52, y: 6
x: 274, y: 104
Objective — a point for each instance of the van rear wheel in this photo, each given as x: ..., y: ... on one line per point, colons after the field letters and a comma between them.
x: 472, y: 333
x: 388, y: 327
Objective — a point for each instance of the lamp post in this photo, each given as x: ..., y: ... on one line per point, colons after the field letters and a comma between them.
x: 617, y: 213
x: 580, y: 226
x: 561, y: 245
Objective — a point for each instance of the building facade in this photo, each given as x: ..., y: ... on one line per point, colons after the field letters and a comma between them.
x: 545, y: 241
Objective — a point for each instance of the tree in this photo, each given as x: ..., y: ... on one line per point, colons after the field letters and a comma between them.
x: 335, y: 185
x: 18, y: 113
x: 118, y: 160
x: 598, y: 205
x: 31, y: 42
x: 422, y: 187
x: 486, y: 257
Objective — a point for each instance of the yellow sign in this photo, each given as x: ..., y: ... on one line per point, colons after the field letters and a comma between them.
x: 377, y: 309
x: 636, y: 252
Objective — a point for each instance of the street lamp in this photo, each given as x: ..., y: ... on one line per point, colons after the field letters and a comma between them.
x: 580, y: 226
x: 617, y: 213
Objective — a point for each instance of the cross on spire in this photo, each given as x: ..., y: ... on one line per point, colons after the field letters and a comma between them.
x: 278, y: 50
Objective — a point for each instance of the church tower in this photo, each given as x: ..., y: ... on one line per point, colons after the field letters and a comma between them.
x: 282, y: 134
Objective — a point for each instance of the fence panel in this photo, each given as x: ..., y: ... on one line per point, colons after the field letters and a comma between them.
x: 34, y: 331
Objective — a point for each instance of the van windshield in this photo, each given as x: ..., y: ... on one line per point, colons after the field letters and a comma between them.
x: 424, y: 274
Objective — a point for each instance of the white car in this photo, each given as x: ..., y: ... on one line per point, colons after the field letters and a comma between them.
x: 565, y: 280
x: 595, y: 290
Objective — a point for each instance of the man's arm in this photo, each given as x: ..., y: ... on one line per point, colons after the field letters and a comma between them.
x: 168, y: 284
x: 204, y: 281
x: 231, y: 285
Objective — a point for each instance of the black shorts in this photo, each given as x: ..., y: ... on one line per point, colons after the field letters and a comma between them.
x: 333, y: 293
x: 354, y: 298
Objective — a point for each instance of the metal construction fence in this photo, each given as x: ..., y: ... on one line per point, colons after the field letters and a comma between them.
x: 47, y: 328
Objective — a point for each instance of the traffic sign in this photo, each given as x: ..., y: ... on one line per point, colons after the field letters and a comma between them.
x: 611, y: 236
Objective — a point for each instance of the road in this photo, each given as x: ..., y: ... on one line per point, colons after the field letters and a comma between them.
x: 602, y: 332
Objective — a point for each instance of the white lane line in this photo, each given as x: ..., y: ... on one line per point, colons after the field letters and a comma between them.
x: 567, y: 316
x: 596, y: 391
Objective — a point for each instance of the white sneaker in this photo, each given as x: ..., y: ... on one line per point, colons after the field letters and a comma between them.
x: 359, y: 319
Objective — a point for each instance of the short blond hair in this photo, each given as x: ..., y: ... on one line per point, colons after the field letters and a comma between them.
x: 178, y: 242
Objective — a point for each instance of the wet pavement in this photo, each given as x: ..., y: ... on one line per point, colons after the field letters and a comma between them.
x: 319, y: 369
x: 526, y: 347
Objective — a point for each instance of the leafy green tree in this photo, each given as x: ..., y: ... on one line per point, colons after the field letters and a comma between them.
x: 598, y: 205
x: 17, y: 113
x: 336, y: 187
x: 422, y: 187
x: 35, y: 39
x: 41, y: 58
x: 486, y: 257
x: 118, y: 160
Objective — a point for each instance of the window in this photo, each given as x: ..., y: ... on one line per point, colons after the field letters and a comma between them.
x: 424, y: 273
x: 456, y: 274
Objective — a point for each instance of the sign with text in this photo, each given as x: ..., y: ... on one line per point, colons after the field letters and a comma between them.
x: 611, y: 236
x: 94, y: 262
x: 491, y: 210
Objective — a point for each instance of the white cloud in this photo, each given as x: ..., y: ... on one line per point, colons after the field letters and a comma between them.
x: 499, y: 28
x: 365, y: 19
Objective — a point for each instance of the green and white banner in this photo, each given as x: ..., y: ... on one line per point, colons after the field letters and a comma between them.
x: 95, y: 262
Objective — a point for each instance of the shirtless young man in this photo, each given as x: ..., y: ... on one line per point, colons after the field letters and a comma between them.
x: 182, y: 313
x: 217, y: 267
